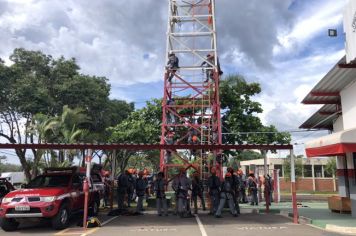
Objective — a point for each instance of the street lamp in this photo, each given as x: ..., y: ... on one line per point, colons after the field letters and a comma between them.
x: 332, y: 32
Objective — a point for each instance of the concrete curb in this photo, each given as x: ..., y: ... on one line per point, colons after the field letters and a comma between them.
x: 341, y: 229
x: 329, y: 227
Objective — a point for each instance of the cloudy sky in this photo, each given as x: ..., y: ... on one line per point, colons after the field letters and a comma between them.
x: 282, y: 44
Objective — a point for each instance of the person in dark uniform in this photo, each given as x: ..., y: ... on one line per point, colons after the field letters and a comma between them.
x: 197, y: 191
x: 140, y: 187
x: 131, y: 178
x: 235, y: 184
x: 122, y: 186
x: 181, y: 184
x: 159, y: 189
x: 172, y: 66
x: 214, y: 191
x: 227, y: 194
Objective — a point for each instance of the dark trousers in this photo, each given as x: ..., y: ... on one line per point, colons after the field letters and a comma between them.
x: 215, y: 200
x: 254, y: 197
x: 243, y: 198
x: 120, y: 200
x: 195, y: 200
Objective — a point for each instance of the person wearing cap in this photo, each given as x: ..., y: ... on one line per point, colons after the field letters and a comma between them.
x: 226, y: 194
x: 197, y: 191
x: 148, y: 179
x: 159, y: 189
x: 252, y: 188
x: 172, y: 65
x: 214, y: 191
x: 140, y: 187
x: 235, y: 185
x: 195, y: 140
x: 181, y: 185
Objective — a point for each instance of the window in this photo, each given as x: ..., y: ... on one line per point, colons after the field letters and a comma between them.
x: 327, y: 174
x: 48, y: 181
x: 307, y: 171
x: 318, y: 171
x: 279, y: 167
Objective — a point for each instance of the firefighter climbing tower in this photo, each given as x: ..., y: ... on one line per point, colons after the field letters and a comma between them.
x: 191, y: 106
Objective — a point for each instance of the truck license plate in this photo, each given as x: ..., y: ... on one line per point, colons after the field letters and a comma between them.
x: 22, y: 208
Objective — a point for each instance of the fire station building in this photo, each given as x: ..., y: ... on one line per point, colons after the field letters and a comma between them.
x: 337, y: 93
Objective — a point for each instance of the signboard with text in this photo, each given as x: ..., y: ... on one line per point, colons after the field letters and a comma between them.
x: 350, y: 30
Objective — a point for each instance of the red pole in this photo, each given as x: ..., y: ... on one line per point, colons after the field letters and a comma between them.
x: 295, y: 207
x: 86, y: 196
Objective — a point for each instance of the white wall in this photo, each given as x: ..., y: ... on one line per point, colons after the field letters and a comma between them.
x: 348, y: 102
x: 338, y: 124
x: 350, y: 30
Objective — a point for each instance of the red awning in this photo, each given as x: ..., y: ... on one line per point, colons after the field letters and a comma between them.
x: 336, y: 144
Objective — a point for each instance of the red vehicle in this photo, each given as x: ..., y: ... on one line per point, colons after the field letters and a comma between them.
x: 56, y: 195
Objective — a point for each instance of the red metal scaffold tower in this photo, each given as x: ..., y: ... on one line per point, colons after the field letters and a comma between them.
x: 191, y: 105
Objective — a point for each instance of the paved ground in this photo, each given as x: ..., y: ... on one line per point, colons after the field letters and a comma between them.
x: 153, y: 225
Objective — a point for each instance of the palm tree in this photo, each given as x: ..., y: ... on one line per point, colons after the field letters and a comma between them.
x: 65, y: 128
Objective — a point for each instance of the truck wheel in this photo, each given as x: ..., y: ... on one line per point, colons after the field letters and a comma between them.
x: 9, y: 224
x: 94, y: 208
x: 61, y: 220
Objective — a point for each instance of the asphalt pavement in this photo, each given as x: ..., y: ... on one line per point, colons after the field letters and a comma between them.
x: 150, y: 224
x: 245, y: 224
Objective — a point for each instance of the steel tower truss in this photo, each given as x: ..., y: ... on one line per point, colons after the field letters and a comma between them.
x: 191, y: 105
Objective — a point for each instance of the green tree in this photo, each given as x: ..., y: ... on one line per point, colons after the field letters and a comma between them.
x: 142, y: 126
x: 37, y: 83
x: 240, y: 120
x: 67, y: 128
x: 298, y: 167
x: 7, y: 167
x: 330, y: 167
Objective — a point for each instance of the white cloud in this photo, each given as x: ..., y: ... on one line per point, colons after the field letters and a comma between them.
x: 108, y: 38
x: 318, y: 18
x: 266, y: 41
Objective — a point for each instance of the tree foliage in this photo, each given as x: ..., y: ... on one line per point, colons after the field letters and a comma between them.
x: 298, y: 160
x: 330, y: 167
x: 240, y: 121
x: 38, y: 83
x: 142, y: 126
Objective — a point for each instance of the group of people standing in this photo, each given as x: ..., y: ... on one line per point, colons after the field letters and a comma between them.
x: 130, y: 185
x: 232, y: 189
